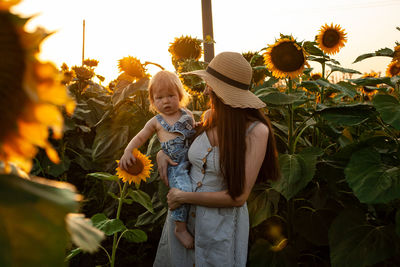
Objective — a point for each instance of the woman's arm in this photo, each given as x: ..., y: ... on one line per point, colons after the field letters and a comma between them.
x: 256, y: 143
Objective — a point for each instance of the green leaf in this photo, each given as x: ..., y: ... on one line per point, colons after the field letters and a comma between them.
x: 355, y: 242
x: 278, y: 98
x: 371, y: 81
x: 343, y: 70
x: 142, y: 198
x: 154, y: 146
x: 148, y: 217
x: 371, y: 180
x: 128, y: 90
x: 385, y: 52
x: 310, y: 86
x: 340, y: 87
x: 32, y: 225
x: 389, y: 109
x: 109, y: 227
x: 109, y: 140
x: 313, y: 224
x: 348, y: 115
x: 105, y: 176
x: 297, y: 171
x: 135, y: 235
x: 261, y: 207
x: 112, y: 226
x: 312, y: 49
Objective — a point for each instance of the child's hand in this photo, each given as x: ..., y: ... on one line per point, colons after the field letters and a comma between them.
x: 198, y: 124
x: 127, y: 160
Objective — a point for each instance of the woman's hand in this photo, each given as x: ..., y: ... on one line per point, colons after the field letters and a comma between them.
x: 162, y: 164
x: 174, y: 198
x: 126, y: 160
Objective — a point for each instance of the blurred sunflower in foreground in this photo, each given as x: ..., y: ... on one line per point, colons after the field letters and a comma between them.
x: 138, y: 171
x: 331, y: 38
x: 31, y: 93
x: 285, y: 58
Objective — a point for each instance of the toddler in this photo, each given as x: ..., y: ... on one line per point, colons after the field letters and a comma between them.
x: 173, y: 125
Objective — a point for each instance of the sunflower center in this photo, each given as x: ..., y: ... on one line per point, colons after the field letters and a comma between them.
x: 287, y: 57
x: 12, y: 68
x: 136, y: 168
x: 331, y: 38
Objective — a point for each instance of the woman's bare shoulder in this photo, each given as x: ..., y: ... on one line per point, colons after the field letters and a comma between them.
x: 260, y: 131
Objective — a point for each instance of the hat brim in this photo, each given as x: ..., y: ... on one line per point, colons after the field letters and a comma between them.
x: 229, y: 95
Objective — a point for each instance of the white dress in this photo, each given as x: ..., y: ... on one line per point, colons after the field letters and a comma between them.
x: 220, y: 234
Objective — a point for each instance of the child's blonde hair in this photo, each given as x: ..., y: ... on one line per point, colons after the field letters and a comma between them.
x: 167, y: 80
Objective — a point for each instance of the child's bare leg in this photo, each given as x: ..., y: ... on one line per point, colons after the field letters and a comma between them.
x: 183, y: 235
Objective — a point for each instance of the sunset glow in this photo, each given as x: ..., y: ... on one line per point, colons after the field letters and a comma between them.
x: 144, y: 29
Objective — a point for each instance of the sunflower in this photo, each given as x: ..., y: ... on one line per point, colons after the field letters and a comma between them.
x: 368, y: 91
x: 132, y: 66
x: 91, y: 63
x: 371, y: 74
x: 285, y: 58
x: 83, y: 73
x: 185, y: 47
x: 315, y: 76
x: 258, y: 60
x: 137, y: 172
x: 396, y: 54
x: 331, y: 38
x: 31, y: 93
x: 393, y: 68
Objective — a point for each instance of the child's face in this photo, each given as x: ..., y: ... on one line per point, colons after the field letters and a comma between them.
x: 166, y: 100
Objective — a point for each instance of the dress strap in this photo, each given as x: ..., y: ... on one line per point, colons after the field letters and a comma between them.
x: 163, y: 123
x: 252, y: 125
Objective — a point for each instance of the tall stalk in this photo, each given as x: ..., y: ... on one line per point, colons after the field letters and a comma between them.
x: 291, y: 119
x: 121, y: 200
x: 322, y: 87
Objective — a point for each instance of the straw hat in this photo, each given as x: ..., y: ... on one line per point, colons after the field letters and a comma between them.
x: 229, y: 75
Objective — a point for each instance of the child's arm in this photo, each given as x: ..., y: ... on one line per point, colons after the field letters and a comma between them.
x: 148, y: 130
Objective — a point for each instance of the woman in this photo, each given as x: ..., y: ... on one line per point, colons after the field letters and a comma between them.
x: 234, y: 148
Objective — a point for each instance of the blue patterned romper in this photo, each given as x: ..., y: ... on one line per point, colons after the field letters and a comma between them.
x: 177, y: 150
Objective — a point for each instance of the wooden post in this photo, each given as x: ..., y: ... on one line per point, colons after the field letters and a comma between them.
x: 83, y: 43
x: 207, y: 29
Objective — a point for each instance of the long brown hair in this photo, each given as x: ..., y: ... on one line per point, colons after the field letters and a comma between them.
x: 231, y: 132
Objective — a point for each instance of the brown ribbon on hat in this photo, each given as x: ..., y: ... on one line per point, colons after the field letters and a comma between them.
x: 227, y: 80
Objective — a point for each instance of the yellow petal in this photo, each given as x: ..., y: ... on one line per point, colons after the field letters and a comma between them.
x: 52, y: 154
x: 48, y: 115
x: 6, y: 4
x: 36, y: 133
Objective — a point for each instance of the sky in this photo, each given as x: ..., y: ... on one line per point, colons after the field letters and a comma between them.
x: 144, y: 29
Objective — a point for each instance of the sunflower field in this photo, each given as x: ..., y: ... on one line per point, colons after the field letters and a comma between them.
x: 64, y: 201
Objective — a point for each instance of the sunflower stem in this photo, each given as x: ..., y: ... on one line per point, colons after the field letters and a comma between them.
x: 291, y: 115
x: 322, y: 87
x: 115, y: 245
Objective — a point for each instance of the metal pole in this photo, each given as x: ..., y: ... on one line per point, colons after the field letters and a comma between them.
x: 83, y: 43
x: 207, y: 29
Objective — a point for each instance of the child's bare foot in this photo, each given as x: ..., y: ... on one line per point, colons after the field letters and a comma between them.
x: 183, y: 235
